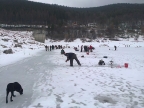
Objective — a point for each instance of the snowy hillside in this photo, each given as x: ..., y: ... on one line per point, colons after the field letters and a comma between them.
x: 21, y: 42
x: 49, y: 82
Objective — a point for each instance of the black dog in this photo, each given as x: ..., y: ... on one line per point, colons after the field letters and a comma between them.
x: 11, y: 87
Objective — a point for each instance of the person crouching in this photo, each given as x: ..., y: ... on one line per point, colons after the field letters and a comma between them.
x: 101, y: 62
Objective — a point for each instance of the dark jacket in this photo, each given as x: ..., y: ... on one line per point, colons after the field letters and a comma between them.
x: 62, y: 51
x: 70, y: 56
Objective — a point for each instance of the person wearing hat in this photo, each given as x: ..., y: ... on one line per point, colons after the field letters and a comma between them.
x: 71, y: 57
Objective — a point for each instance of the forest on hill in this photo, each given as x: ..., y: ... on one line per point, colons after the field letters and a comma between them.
x: 110, y: 17
x: 27, y: 12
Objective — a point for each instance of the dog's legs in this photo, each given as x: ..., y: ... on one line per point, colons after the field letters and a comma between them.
x: 7, y: 96
x: 11, y: 96
x: 12, y: 92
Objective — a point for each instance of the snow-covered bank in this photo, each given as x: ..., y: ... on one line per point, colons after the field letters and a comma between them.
x: 22, y: 44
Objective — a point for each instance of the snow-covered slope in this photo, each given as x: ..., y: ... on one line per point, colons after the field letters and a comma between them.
x: 21, y: 42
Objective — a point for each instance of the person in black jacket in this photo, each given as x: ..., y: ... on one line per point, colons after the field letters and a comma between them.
x: 81, y: 48
x: 71, y: 56
x: 62, y: 51
x: 101, y: 62
x: 46, y: 47
x: 115, y: 48
x: 85, y: 48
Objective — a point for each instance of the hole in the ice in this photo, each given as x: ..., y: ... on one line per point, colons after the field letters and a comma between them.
x: 105, y: 99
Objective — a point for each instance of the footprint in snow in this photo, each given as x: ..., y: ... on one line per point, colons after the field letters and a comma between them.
x: 83, y: 89
x: 71, y: 95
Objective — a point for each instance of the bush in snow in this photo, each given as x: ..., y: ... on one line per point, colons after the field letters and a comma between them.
x: 17, y: 45
x: 9, y: 51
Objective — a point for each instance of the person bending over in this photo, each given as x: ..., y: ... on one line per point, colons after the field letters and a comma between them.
x: 71, y: 56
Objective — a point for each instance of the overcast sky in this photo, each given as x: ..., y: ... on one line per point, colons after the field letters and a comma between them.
x: 86, y: 3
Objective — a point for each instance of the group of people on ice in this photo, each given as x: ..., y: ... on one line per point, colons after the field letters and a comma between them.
x: 85, y: 48
x: 52, y: 47
x: 72, y: 56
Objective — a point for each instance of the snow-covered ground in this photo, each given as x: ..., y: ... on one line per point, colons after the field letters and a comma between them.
x: 57, y: 85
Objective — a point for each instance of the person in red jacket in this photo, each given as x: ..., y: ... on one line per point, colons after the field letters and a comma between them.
x: 90, y: 48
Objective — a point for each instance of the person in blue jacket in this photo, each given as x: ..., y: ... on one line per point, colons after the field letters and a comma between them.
x: 71, y: 56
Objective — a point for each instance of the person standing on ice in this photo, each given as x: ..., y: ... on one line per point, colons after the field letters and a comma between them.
x: 115, y: 48
x: 46, y: 47
x: 81, y: 48
x: 50, y: 47
x: 71, y: 56
x: 90, y: 48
